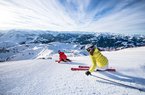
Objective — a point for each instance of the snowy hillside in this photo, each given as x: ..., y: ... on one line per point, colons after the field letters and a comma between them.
x: 45, y: 77
x: 41, y: 51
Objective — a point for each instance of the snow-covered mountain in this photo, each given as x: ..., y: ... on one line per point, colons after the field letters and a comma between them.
x: 41, y: 51
x: 104, y: 40
x: 46, y: 77
x: 28, y: 44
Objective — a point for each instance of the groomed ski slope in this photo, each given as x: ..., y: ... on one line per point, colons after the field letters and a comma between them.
x: 45, y: 77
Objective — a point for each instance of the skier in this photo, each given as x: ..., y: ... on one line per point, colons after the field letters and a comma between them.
x: 62, y: 57
x: 98, y: 60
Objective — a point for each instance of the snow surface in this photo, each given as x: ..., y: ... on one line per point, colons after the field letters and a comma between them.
x: 45, y: 77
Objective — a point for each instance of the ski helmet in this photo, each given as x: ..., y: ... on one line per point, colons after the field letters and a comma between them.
x: 59, y: 51
x: 89, y: 46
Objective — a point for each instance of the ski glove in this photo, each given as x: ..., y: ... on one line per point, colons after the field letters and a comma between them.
x: 88, y: 73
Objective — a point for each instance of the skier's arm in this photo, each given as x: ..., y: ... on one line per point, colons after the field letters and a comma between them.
x: 93, y: 66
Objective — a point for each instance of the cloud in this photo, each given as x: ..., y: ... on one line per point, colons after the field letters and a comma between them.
x: 74, y: 15
x: 122, y: 19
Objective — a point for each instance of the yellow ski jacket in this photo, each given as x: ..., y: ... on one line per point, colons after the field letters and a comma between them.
x: 98, y: 60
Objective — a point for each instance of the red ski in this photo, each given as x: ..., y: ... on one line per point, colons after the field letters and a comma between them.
x: 79, y: 69
x: 85, y: 68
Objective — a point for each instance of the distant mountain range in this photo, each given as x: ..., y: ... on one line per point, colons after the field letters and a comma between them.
x: 102, y: 40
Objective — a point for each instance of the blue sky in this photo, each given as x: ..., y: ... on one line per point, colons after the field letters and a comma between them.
x: 117, y: 16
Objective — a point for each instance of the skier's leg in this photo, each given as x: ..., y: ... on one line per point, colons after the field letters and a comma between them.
x: 102, y: 68
x: 68, y: 60
x: 64, y: 60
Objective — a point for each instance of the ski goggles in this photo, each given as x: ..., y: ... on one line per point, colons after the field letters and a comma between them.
x: 89, y: 49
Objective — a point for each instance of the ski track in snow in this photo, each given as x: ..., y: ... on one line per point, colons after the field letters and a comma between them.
x: 45, y: 77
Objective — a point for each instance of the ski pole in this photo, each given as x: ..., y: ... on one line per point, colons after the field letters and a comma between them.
x: 120, y: 83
